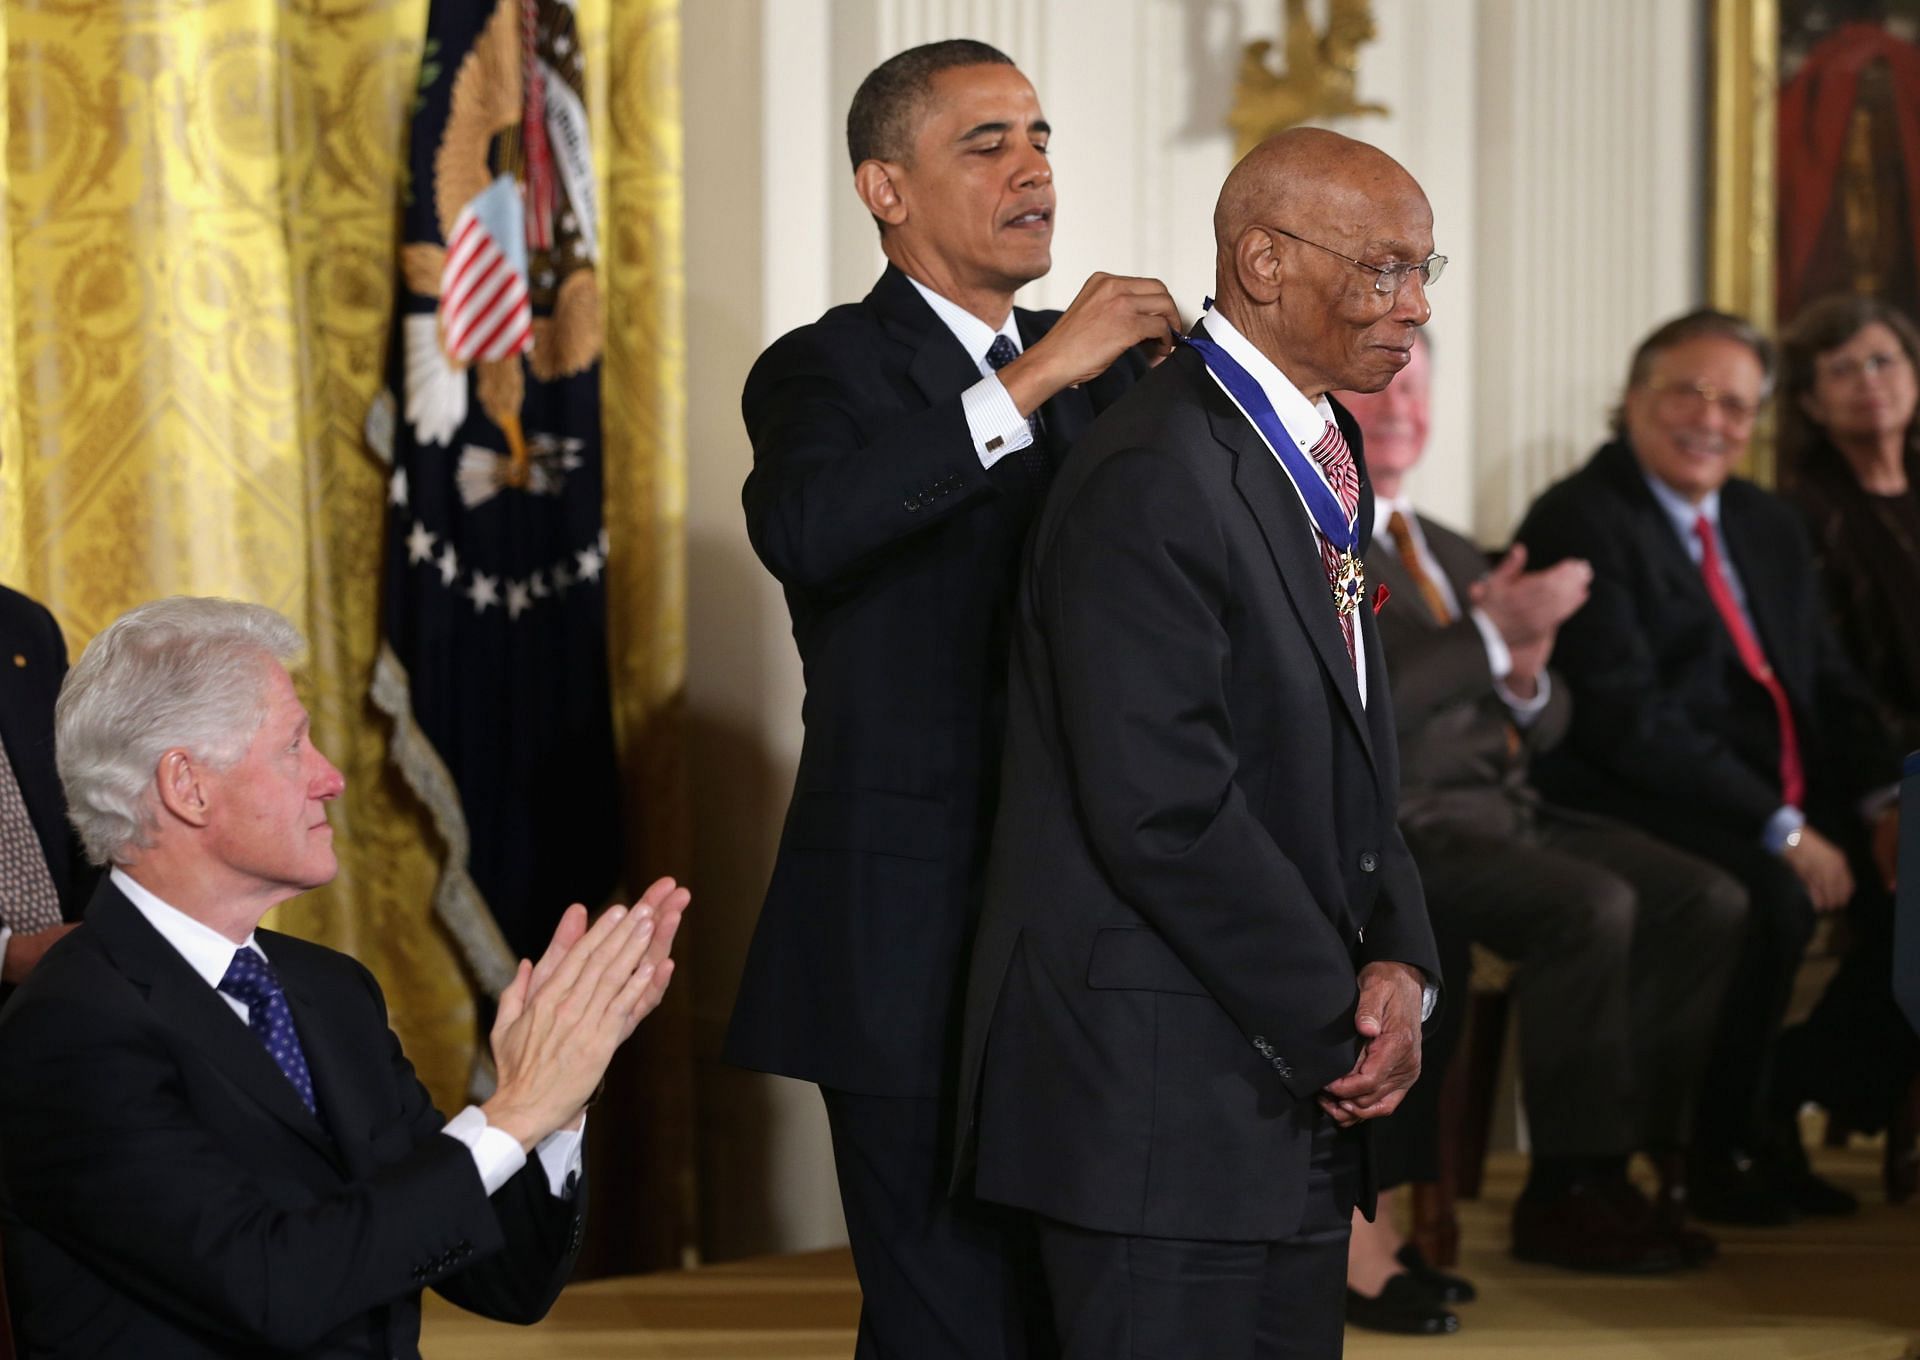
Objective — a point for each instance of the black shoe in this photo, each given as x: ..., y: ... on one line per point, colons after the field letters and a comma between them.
x: 1810, y: 1194
x: 1447, y: 1288
x: 1583, y: 1230
x: 1665, y: 1218
x: 1732, y: 1188
x: 1403, y: 1308
x: 1786, y: 1161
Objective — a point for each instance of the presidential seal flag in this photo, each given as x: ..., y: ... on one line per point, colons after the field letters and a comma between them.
x: 493, y: 666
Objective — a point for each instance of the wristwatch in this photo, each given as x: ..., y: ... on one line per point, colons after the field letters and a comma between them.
x: 1791, y: 839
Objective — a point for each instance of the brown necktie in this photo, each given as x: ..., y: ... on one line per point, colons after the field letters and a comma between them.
x: 1402, y: 534
x: 28, y: 901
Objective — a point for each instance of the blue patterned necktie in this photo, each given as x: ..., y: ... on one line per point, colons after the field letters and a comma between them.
x: 1033, y: 457
x: 250, y: 980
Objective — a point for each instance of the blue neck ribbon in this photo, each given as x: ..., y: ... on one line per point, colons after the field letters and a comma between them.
x: 1329, y: 516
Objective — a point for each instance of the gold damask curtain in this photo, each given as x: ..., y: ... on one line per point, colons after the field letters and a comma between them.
x: 196, y: 274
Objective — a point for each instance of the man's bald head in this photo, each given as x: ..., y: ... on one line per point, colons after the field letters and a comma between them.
x: 1303, y: 174
x: 1293, y: 218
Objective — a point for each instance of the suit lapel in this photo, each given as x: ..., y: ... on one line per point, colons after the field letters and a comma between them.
x: 193, y: 1011
x: 1065, y: 415
x: 940, y: 367
x: 1269, y: 494
x: 1765, y: 593
x: 1462, y: 562
x: 332, y: 1058
x: 1387, y: 567
x: 938, y: 364
x: 1661, y: 544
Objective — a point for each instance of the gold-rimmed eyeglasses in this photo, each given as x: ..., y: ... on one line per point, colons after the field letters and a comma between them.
x: 1387, y: 278
x: 1693, y: 398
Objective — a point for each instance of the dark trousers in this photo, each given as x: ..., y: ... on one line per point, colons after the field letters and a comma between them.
x: 1406, y: 1144
x: 1622, y: 947
x: 1154, y: 1298
x: 1853, y: 1054
x: 941, y: 1277
x: 1856, y: 1053
x: 1735, y: 1094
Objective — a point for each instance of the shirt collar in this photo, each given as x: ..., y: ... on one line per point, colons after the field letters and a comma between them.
x: 1383, y: 508
x: 1304, y: 420
x: 1682, y: 513
x: 975, y: 336
x: 206, y: 950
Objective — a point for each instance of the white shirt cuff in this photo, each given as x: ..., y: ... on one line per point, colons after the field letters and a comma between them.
x: 1524, y: 711
x: 993, y: 421
x: 1500, y: 662
x: 1499, y: 658
x: 496, y: 1153
x: 1784, y: 822
x: 6, y: 933
x: 1429, y: 997
x: 560, y: 1157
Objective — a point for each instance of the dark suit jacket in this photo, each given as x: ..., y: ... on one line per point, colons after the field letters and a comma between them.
x: 898, y: 553
x: 1457, y: 765
x: 1195, y: 852
x: 167, y: 1194
x: 33, y: 662
x: 1668, y: 729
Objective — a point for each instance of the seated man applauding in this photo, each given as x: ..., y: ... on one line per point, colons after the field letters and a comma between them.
x: 210, y: 1142
x: 1714, y: 708
x: 1623, y: 944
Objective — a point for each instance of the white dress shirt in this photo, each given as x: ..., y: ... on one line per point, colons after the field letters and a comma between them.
x: 1499, y: 657
x: 496, y: 1153
x: 1305, y: 421
x: 993, y: 422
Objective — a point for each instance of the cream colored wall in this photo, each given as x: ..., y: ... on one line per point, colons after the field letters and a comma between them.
x: 1559, y: 143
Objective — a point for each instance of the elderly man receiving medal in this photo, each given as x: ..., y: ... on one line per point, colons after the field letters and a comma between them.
x: 1204, y: 958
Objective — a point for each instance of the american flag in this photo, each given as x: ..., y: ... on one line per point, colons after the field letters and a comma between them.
x: 484, y: 309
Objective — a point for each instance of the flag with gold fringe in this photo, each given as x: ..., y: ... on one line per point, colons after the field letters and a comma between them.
x: 493, y: 663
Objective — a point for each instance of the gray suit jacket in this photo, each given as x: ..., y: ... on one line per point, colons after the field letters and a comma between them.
x: 1457, y: 764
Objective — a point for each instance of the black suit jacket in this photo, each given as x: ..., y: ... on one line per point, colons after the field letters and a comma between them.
x: 898, y: 553
x: 33, y: 662
x: 167, y: 1194
x: 1668, y: 730
x: 1195, y: 851
x: 1458, y: 765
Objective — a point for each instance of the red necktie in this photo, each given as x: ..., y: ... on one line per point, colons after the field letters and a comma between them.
x: 1793, y: 780
x: 1336, y: 460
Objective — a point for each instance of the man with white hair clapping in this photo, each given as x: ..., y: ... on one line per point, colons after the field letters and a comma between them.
x: 210, y: 1142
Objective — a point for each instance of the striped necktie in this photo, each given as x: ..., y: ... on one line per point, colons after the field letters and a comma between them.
x: 1336, y: 460
x: 1034, y: 456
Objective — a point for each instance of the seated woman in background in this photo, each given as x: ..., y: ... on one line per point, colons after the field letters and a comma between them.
x: 1849, y: 456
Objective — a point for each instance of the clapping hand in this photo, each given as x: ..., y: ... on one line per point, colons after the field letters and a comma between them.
x: 560, y: 1020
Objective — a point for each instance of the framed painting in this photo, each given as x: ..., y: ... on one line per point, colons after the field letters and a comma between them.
x: 1816, y: 154
x: 1815, y: 160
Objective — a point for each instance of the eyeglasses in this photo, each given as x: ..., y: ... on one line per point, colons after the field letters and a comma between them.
x: 1692, y: 398
x: 1871, y: 365
x: 1387, y: 278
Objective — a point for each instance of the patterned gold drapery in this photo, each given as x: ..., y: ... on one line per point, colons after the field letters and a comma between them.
x: 196, y: 271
